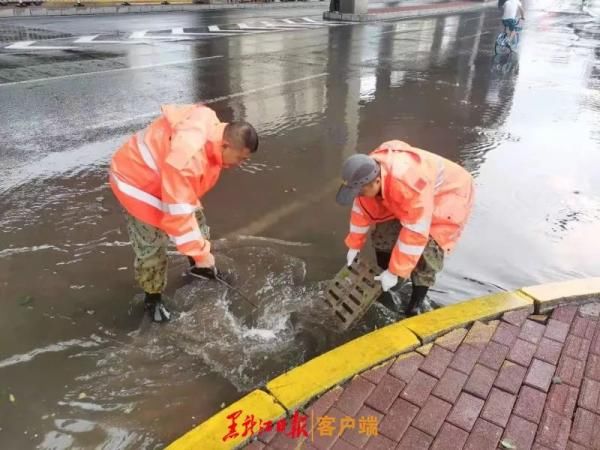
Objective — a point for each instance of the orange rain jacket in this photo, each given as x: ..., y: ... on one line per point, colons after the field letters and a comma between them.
x: 160, y: 174
x: 428, y: 194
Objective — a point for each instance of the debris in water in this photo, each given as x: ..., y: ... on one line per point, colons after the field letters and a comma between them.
x: 82, y: 396
x: 11, y: 398
x: 25, y: 300
x: 222, y: 405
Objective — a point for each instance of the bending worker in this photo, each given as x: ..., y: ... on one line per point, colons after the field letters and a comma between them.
x: 159, y: 176
x: 419, y: 202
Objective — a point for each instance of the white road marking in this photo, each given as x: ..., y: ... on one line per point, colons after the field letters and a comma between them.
x: 124, y: 69
x: 142, y: 35
x: 27, y: 45
x: 180, y: 32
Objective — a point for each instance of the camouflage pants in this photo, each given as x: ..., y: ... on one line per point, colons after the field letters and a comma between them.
x: 384, y: 237
x: 150, y: 247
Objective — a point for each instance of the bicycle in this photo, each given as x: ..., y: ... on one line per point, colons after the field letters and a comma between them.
x: 503, y: 43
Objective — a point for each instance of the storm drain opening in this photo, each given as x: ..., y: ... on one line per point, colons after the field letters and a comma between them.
x: 352, y: 292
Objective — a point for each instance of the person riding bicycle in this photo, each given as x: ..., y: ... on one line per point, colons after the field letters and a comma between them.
x: 512, y: 10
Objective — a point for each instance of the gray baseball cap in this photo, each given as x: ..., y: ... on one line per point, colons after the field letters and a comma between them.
x: 357, y: 171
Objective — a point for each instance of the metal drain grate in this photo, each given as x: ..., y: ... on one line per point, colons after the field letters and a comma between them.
x: 352, y: 292
x: 15, y: 33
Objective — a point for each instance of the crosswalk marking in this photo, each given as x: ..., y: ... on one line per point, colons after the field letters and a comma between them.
x: 180, y: 33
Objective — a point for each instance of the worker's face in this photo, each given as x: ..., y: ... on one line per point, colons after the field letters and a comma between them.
x: 234, y: 157
x: 372, y: 189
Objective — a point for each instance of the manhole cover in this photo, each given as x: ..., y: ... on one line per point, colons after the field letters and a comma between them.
x: 15, y: 33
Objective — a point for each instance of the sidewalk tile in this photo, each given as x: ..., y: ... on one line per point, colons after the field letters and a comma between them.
x: 395, y: 423
x: 562, y: 399
x: 498, y: 407
x: 465, y: 358
x: 530, y: 404
x: 494, y: 355
x: 485, y: 436
x: 553, y: 431
x: 465, y: 411
x: 522, y: 352
x: 436, y: 362
x: 506, y: 334
x: 520, y: 433
x: 586, y: 428
x: 510, y: 377
x: 589, y: 398
x: 380, y: 442
x: 432, y: 415
x: 450, y: 385
x: 375, y: 374
x: 419, y: 388
x: 564, y: 314
x: 450, y: 438
x: 577, y: 347
x: 480, y: 382
x: 584, y: 327
x: 480, y: 334
x: 557, y: 330
x: 595, y: 347
x: 540, y: 375
x: 323, y: 403
x: 354, y: 395
x: 593, y: 367
x: 549, y: 351
x: 406, y: 366
x: 517, y: 318
x: 570, y: 370
x: 415, y: 439
x: 385, y: 393
x: 452, y: 340
x: 532, y: 331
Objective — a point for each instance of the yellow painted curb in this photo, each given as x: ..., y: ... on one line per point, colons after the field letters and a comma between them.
x: 430, y: 325
x: 547, y: 296
x: 298, y: 386
x: 209, y: 435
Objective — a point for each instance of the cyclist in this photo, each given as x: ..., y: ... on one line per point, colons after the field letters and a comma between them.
x: 512, y: 10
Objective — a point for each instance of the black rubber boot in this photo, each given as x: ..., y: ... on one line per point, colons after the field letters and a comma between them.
x: 416, y: 298
x: 156, y: 308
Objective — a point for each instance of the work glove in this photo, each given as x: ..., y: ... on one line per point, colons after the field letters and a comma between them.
x: 351, y: 256
x: 388, y: 280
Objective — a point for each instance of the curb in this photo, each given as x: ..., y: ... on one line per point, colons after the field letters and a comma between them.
x: 99, y: 10
x: 302, y: 384
x: 407, y: 14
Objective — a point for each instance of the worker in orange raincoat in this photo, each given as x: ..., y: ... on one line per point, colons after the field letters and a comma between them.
x: 159, y: 176
x: 419, y: 202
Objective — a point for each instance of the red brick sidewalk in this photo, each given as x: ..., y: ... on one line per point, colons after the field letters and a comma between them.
x: 520, y: 382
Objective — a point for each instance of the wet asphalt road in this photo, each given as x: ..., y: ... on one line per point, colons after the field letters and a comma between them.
x: 82, y: 369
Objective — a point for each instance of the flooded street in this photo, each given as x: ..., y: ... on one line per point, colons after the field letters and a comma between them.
x: 81, y: 368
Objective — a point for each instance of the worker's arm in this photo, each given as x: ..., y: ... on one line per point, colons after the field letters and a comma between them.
x: 359, y: 227
x: 521, y: 11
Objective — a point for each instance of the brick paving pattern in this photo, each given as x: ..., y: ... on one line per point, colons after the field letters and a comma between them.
x: 522, y: 382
